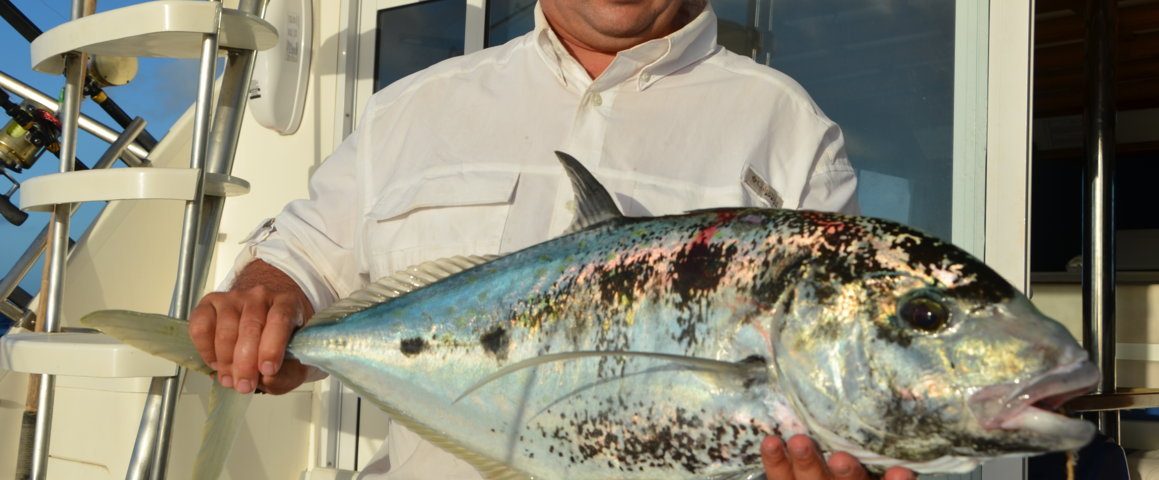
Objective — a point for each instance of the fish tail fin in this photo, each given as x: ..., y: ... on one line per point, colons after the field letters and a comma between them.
x: 168, y: 338
x: 160, y: 335
x: 225, y: 417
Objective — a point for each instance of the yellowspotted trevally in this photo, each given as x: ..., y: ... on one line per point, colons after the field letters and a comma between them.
x: 669, y: 347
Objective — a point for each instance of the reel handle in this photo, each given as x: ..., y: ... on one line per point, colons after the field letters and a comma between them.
x: 10, y: 212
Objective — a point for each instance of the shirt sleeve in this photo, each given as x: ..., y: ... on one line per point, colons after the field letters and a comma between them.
x: 832, y: 184
x: 312, y: 240
x: 804, y: 165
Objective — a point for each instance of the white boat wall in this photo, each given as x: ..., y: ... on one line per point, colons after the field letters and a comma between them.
x: 128, y: 260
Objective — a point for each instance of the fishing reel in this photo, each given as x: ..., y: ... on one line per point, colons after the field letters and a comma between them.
x: 29, y: 132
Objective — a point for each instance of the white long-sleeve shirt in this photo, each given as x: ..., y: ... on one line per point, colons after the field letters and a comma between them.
x: 457, y: 159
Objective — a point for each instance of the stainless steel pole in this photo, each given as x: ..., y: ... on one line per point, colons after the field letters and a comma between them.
x: 230, y: 112
x: 220, y: 149
x: 10, y: 310
x: 87, y: 124
x: 163, y: 390
x: 1099, y: 201
x: 53, y: 296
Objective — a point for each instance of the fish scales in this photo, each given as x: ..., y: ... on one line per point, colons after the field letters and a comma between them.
x: 681, y: 285
x: 671, y: 346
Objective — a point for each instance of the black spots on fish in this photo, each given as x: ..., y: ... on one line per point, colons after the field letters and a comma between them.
x: 496, y: 342
x: 993, y: 447
x: 911, y: 417
x: 779, y: 279
x: 695, y: 272
x: 987, y: 287
x: 619, y: 283
x: 917, y: 432
x: 698, y: 269
x: 690, y: 323
x: 536, y: 310
x: 636, y: 436
x: 412, y: 346
x: 982, y: 283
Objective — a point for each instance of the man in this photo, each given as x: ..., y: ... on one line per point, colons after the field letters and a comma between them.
x: 456, y: 160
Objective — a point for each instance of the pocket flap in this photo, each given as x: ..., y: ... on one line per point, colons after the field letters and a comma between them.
x: 450, y: 189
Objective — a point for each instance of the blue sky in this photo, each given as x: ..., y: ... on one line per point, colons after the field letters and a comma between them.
x: 161, y: 92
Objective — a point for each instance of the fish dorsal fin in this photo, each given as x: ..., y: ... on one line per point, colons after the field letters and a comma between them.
x: 397, y: 284
x: 745, y: 370
x: 593, y: 203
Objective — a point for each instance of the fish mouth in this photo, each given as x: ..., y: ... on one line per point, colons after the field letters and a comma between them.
x: 1037, y: 406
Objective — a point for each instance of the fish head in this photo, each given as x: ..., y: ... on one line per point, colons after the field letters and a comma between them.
x: 909, y: 351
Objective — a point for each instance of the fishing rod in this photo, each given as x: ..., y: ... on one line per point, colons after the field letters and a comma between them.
x: 95, y: 81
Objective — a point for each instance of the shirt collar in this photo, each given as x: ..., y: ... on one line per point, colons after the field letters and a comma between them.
x: 646, y: 63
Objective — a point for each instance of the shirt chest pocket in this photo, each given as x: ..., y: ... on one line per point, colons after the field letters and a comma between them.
x: 438, y: 216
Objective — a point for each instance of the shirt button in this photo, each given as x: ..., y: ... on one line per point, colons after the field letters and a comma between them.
x: 644, y: 77
x: 597, y: 100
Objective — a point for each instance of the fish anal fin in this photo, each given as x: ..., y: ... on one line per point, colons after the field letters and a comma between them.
x: 487, y: 467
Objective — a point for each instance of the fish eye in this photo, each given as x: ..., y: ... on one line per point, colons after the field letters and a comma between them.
x: 923, y: 311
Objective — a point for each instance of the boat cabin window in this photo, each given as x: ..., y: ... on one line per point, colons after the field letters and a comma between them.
x: 415, y: 36
x: 507, y: 19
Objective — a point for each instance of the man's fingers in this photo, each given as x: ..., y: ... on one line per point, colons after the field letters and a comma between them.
x: 224, y: 341
x: 249, y: 336
x: 775, y: 459
x: 288, y: 378
x: 201, y: 323
x: 807, y: 462
x: 284, y: 317
x: 845, y: 467
x: 800, y: 459
x: 898, y: 473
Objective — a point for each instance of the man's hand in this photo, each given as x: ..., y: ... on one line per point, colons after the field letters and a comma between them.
x: 800, y: 460
x: 243, y: 333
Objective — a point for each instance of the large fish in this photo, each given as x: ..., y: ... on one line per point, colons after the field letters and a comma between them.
x: 668, y: 347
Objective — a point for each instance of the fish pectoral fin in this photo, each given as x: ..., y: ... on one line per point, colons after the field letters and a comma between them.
x: 397, y: 284
x: 715, y: 371
x: 160, y: 335
x: 744, y: 374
